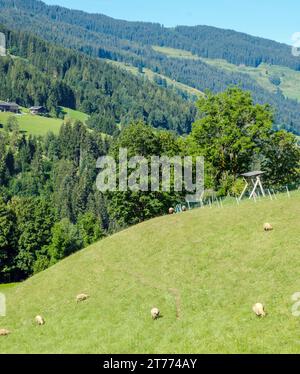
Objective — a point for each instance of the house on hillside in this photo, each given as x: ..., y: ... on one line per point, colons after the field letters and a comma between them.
x: 9, y: 107
x: 38, y: 110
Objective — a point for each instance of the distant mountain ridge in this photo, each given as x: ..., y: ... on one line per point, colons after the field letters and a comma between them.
x: 206, y: 41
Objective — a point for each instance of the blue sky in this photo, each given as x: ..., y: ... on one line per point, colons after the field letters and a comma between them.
x: 272, y: 19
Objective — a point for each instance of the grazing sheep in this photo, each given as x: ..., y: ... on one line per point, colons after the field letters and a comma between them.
x: 155, y: 313
x: 81, y: 297
x: 4, y: 332
x: 184, y: 208
x: 268, y: 227
x: 39, y: 320
x: 259, y: 310
x: 171, y: 211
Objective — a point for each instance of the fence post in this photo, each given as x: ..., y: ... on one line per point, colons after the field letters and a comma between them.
x: 2, y: 305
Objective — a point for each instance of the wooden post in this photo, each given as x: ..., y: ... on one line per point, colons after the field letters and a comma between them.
x: 270, y: 194
x: 254, y: 188
x: 244, y: 190
x: 261, y: 187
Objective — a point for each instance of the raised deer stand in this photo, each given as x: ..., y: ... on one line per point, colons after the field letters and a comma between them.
x: 253, y: 178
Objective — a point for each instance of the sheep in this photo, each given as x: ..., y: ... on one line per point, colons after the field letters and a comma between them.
x: 4, y: 332
x: 81, y: 297
x: 155, y: 313
x: 268, y: 227
x: 39, y: 320
x: 171, y: 211
x: 259, y: 310
x: 184, y: 208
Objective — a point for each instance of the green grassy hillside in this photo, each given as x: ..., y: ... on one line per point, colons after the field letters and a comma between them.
x: 204, y: 269
x: 176, y: 53
x: 39, y: 125
x: 149, y: 74
x: 34, y: 125
x: 5, y: 287
x: 289, y: 78
x: 75, y: 115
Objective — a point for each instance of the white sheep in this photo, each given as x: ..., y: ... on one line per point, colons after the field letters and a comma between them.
x: 4, y: 332
x: 81, y: 297
x: 171, y: 210
x: 39, y: 320
x: 268, y: 227
x: 155, y: 313
x: 259, y: 310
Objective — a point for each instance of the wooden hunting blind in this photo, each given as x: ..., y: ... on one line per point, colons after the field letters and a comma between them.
x: 253, y: 178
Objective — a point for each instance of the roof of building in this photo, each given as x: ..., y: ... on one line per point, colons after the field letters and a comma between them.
x: 253, y: 174
x: 3, y: 103
x: 36, y: 107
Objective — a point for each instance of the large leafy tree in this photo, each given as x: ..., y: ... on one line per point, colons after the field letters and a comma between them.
x: 131, y: 207
x: 89, y: 228
x: 34, y: 220
x: 65, y: 240
x: 231, y: 130
x: 139, y: 140
x: 282, y: 159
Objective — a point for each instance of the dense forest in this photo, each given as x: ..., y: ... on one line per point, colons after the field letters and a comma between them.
x: 49, y: 206
x: 130, y: 42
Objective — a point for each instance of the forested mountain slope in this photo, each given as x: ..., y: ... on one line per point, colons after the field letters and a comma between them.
x: 131, y: 42
x: 206, y: 41
x: 44, y: 74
